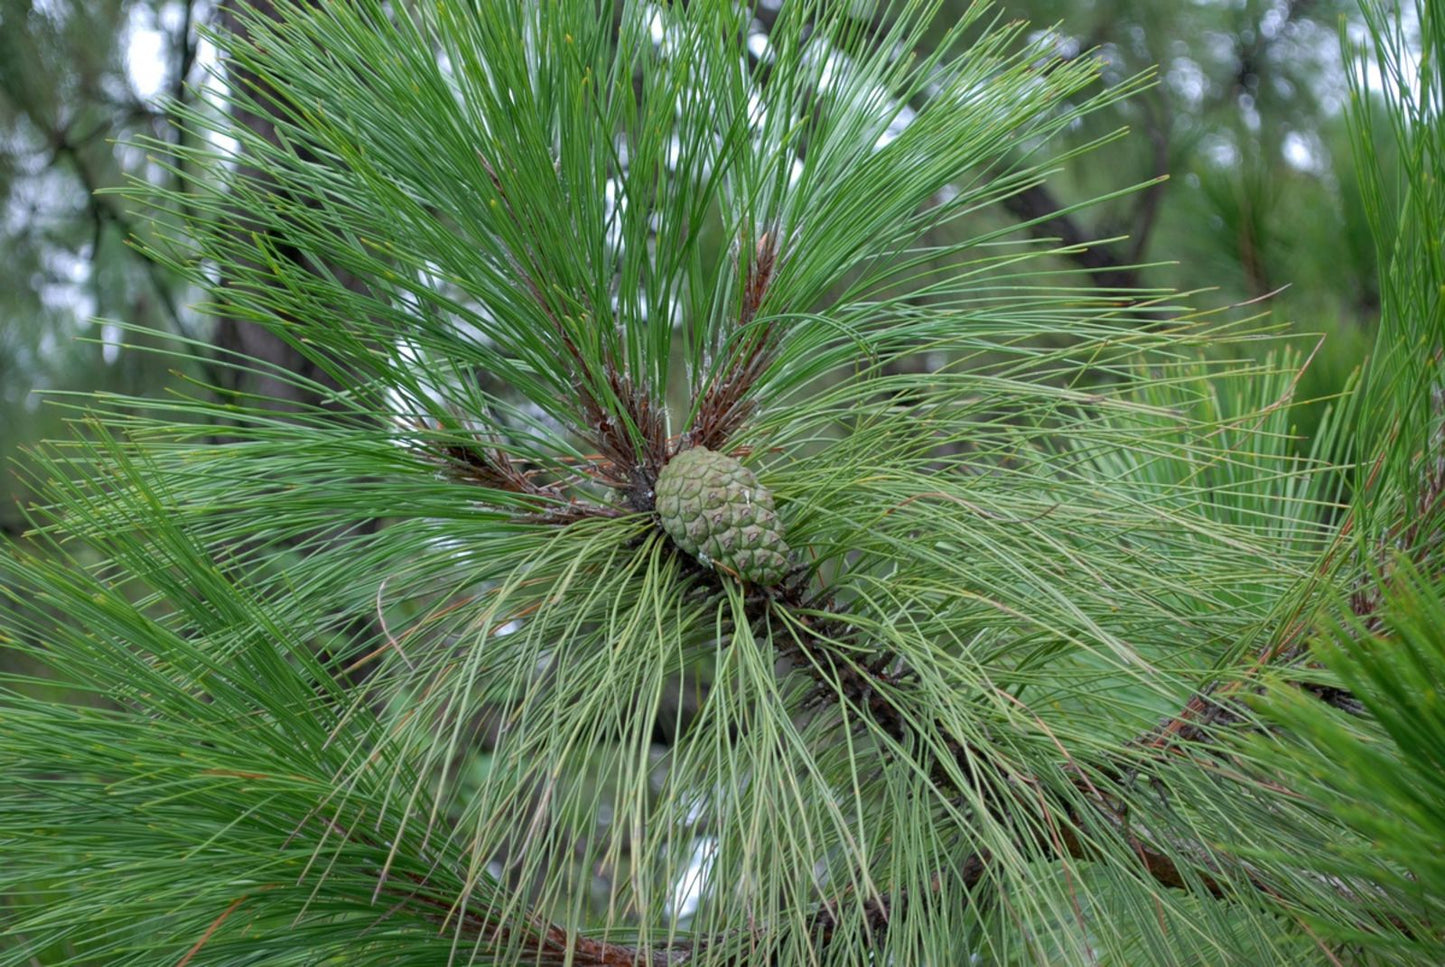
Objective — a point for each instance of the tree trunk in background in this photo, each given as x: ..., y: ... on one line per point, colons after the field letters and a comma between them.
x: 241, y: 336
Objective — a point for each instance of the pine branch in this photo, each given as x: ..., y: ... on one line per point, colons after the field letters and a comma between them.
x: 1420, y: 533
x: 1009, y: 557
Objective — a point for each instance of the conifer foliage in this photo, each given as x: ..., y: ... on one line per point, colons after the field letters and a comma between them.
x: 450, y: 668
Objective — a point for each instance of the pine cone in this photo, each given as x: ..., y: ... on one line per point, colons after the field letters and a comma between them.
x: 715, y: 509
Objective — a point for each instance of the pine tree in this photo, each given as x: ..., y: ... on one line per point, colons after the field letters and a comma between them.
x: 689, y: 559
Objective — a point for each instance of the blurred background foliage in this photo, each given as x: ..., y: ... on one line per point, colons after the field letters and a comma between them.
x: 1242, y: 141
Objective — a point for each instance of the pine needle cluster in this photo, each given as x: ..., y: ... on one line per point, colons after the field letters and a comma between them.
x: 409, y: 672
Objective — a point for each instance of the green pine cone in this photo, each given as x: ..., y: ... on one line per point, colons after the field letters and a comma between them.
x: 715, y: 509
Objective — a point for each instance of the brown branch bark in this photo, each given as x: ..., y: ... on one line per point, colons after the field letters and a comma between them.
x: 728, y: 401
